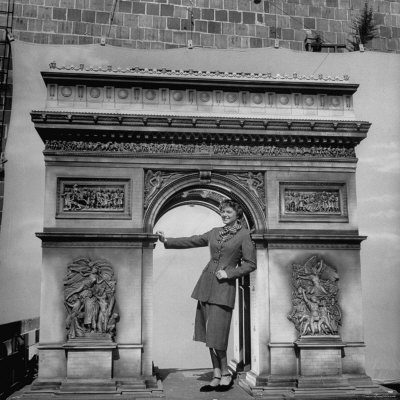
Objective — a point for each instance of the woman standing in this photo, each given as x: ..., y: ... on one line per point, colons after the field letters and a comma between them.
x: 232, y: 256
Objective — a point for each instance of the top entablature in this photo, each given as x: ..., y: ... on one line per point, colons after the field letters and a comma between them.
x: 189, y: 92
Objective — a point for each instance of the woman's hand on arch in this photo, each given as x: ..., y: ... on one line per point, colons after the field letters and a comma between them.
x: 161, y: 236
x: 221, y: 274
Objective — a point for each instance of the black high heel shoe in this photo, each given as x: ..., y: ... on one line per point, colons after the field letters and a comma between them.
x: 210, y: 388
x: 225, y: 388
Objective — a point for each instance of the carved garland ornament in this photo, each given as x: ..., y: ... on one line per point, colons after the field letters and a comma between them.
x: 209, y: 149
x: 134, y: 70
x: 89, y: 297
x: 315, y: 308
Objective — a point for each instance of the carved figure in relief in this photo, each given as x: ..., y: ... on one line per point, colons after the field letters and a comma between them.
x: 91, y: 310
x: 76, y: 285
x: 67, y: 195
x: 313, y: 276
x: 324, y: 324
x: 154, y: 182
x: 112, y: 322
x: 315, y: 309
x: 89, y: 296
x: 103, y: 314
x: 74, y: 307
x: 77, y: 198
x: 335, y: 314
x: 254, y: 182
x: 310, y: 319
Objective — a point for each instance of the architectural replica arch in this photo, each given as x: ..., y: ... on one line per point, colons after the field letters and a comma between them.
x: 124, y: 146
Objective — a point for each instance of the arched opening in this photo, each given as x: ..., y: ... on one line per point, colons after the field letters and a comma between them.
x: 183, y: 209
x: 175, y: 273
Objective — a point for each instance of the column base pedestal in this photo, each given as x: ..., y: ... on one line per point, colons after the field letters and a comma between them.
x: 90, y: 357
x: 349, y: 387
x: 92, y: 389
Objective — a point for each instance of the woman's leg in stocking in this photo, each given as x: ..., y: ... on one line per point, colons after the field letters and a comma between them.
x: 223, y: 362
x: 216, y: 367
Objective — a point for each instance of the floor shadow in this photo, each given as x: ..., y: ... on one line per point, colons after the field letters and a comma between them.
x: 162, y: 374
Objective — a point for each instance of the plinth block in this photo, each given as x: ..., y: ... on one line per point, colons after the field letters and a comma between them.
x: 320, y: 356
x: 89, y: 358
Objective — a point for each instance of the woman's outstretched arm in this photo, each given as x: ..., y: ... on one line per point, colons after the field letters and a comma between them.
x: 184, y: 242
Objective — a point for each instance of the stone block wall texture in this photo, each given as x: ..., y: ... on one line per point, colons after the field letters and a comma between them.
x: 163, y: 24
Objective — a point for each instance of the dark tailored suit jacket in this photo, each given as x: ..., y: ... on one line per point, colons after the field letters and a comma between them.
x: 237, y: 256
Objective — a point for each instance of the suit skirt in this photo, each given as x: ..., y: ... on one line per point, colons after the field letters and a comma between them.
x: 212, y: 325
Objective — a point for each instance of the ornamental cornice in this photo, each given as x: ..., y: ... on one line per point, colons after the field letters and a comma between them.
x: 190, y: 73
x: 121, y: 114
x: 88, y: 236
x: 309, y: 240
x: 82, y: 126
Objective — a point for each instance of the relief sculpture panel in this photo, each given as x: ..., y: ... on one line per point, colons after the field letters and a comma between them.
x: 93, y: 198
x: 89, y: 297
x: 309, y: 201
x: 315, y: 309
x: 313, y: 201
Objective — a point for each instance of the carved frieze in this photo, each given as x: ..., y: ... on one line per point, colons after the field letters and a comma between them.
x: 264, y: 151
x: 310, y: 200
x: 89, y: 297
x: 315, y: 309
x: 93, y: 198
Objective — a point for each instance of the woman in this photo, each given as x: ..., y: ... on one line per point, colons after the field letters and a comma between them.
x: 232, y: 256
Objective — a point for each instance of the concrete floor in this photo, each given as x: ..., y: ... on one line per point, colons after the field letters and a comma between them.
x: 185, y: 384
x: 182, y: 384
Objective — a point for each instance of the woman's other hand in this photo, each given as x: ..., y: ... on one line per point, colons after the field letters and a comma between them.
x: 161, y: 236
x: 221, y: 274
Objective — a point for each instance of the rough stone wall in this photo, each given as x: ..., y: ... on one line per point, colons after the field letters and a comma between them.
x: 161, y: 24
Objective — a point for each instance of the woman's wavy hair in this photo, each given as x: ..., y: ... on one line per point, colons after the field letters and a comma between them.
x: 233, y: 204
